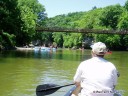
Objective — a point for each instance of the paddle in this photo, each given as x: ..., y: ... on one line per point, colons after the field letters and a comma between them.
x: 47, y: 89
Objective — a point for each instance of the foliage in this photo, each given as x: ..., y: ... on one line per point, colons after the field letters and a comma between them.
x: 43, y: 38
x: 123, y: 25
x: 58, y: 38
x: 9, y: 16
x: 123, y: 21
x: 125, y: 41
x: 126, y: 5
x: 110, y: 15
x: 112, y: 41
x: 19, y: 19
x: 72, y: 40
x: 31, y: 15
x: 10, y: 22
x: 90, y: 20
x: 7, y: 40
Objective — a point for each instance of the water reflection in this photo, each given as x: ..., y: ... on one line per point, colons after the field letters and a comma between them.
x: 45, y: 55
x: 22, y: 71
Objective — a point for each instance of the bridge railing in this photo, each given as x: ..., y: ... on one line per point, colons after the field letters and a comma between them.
x: 78, y: 30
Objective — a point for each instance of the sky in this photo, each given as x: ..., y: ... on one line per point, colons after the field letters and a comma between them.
x: 59, y: 7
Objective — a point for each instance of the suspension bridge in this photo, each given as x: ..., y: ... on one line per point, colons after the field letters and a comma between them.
x: 78, y: 30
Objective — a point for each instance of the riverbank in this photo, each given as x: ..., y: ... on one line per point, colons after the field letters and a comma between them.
x: 23, y: 48
x: 36, y: 48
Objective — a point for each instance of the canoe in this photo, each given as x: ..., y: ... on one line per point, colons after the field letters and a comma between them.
x: 109, y: 52
x: 73, y: 88
x: 70, y: 91
x: 44, y: 49
x: 47, y: 89
x: 36, y: 48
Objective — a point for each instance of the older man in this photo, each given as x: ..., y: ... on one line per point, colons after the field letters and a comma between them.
x: 96, y: 76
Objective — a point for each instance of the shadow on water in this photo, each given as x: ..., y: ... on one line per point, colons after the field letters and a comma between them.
x: 27, y: 54
x: 59, y: 54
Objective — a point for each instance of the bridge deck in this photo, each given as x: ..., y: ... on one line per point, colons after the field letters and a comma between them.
x: 96, y: 31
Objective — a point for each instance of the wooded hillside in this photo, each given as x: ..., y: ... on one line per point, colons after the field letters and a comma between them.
x: 20, y: 18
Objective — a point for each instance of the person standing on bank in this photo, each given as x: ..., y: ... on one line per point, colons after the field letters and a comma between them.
x: 96, y: 76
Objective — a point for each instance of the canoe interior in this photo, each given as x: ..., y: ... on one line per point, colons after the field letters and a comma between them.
x: 73, y: 88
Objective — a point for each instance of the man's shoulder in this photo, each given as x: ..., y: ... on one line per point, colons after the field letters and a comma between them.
x: 110, y: 64
x: 86, y: 61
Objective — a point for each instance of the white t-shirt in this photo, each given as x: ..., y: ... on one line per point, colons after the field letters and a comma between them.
x: 97, y: 77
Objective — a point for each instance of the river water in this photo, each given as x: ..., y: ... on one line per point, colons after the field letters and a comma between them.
x: 22, y: 71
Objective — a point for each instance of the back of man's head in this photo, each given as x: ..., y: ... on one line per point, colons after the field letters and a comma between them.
x: 99, y: 48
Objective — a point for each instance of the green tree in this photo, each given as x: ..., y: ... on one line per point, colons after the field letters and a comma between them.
x: 113, y: 41
x: 126, y: 5
x: 45, y: 38
x: 58, y: 38
x: 67, y: 41
x: 90, y: 20
x: 122, y: 26
x: 123, y: 21
x: 7, y: 40
x: 110, y: 15
x: 31, y: 15
x: 73, y: 40
x: 10, y: 21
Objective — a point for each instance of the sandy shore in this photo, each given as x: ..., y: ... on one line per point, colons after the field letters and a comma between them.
x: 22, y: 48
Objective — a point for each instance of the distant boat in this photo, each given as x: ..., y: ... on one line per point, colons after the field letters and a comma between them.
x: 53, y: 49
x: 109, y: 52
x: 36, y: 48
x: 44, y: 49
